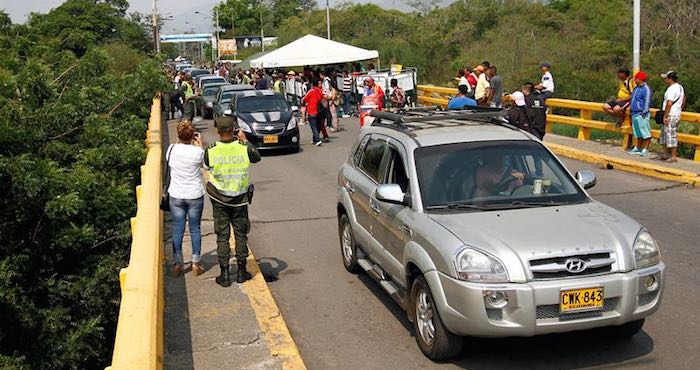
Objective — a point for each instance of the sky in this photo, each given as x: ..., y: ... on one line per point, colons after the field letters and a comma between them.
x: 181, y: 10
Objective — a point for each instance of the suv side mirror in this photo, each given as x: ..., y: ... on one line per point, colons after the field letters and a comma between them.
x: 586, y: 178
x: 392, y: 193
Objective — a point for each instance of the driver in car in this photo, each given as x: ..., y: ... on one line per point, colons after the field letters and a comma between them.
x: 494, y: 177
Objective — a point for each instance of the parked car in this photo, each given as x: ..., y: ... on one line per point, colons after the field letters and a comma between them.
x: 477, y: 229
x: 182, y: 66
x: 221, y: 104
x: 266, y: 119
x: 206, y: 80
x: 194, y: 72
x: 208, y: 96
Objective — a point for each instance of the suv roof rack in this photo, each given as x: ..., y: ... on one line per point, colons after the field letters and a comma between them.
x: 426, y: 117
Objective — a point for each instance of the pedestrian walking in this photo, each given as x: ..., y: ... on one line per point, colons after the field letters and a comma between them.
x: 228, y: 161
x: 333, y: 103
x: 186, y: 192
x: 347, y: 94
x: 314, y: 110
x: 190, y: 99
x: 674, y: 101
x: 640, y: 105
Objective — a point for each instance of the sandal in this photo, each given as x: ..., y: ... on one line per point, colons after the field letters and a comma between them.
x: 671, y: 160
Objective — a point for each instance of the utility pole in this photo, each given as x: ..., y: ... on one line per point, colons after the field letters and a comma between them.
x: 156, y: 36
x: 218, y: 52
x: 328, y: 20
x: 262, y: 31
x: 635, y: 47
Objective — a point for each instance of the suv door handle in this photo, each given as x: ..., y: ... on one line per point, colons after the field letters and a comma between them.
x: 349, y: 186
x: 374, y: 206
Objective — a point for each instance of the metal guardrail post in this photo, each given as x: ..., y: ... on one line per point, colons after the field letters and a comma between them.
x: 138, y: 344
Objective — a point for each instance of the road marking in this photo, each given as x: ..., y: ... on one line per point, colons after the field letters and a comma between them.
x: 279, y: 340
x: 645, y: 169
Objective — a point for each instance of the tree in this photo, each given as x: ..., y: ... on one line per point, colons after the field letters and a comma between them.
x: 422, y: 6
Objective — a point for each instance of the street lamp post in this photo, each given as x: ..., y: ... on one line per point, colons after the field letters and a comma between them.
x: 218, y: 52
x: 156, y: 36
x: 636, y: 41
x: 328, y: 20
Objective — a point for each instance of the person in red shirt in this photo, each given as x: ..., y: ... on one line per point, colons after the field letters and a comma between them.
x: 312, y: 101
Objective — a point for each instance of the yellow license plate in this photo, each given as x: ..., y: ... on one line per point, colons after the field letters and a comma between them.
x: 270, y: 139
x: 588, y: 299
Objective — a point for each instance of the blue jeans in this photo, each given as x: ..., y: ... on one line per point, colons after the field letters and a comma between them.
x: 346, y: 103
x: 313, y: 123
x: 182, y: 210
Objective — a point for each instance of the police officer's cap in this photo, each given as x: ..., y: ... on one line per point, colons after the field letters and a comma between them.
x: 226, y: 125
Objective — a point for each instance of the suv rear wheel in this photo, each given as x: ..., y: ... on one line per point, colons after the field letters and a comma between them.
x: 436, y: 342
x: 348, y: 247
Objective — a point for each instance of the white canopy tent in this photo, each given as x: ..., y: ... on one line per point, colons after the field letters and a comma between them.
x: 312, y: 50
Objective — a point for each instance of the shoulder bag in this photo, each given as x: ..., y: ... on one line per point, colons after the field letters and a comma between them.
x: 165, y: 198
x: 659, y: 117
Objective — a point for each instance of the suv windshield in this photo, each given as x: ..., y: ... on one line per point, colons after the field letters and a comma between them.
x: 261, y: 103
x: 210, y: 90
x: 492, y: 175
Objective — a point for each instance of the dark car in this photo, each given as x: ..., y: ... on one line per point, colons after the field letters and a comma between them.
x: 222, y: 100
x: 208, y: 96
x: 266, y: 119
x: 196, y: 72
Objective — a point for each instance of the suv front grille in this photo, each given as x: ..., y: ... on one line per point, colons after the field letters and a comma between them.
x: 555, y: 268
x: 551, y: 311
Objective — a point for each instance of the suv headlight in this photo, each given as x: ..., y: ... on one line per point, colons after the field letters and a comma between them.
x: 244, y: 126
x: 646, y: 251
x: 476, y: 266
x: 292, y: 123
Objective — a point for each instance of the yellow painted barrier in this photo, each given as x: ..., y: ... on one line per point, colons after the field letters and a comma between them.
x: 139, y: 341
x: 433, y: 95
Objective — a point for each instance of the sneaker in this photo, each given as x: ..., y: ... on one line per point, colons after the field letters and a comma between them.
x: 644, y: 153
x: 326, y: 140
x: 319, y: 143
x: 634, y: 150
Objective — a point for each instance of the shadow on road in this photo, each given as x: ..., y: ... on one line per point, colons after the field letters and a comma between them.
x: 554, y: 351
x: 271, y: 267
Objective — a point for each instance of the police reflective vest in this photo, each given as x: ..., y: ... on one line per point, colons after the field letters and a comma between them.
x: 188, y: 90
x: 228, y: 164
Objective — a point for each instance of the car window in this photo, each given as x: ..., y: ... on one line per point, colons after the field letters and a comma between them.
x: 396, y: 171
x: 263, y: 103
x: 210, y: 90
x: 360, y: 149
x: 372, y: 158
x: 492, y: 173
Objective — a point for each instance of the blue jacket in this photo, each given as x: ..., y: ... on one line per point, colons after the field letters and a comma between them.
x: 641, y: 100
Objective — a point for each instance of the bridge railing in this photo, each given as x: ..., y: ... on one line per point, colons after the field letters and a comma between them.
x: 584, y: 121
x: 139, y: 340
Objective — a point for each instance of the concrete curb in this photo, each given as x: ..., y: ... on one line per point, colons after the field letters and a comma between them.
x: 277, y: 335
x: 645, y: 169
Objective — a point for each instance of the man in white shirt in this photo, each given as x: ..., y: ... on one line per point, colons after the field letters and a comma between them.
x: 674, y: 100
x: 546, y: 85
x: 481, y: 93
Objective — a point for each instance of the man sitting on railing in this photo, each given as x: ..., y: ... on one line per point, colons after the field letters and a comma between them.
x: 617, y: 107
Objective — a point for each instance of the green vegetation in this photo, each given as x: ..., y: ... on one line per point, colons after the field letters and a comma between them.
x: 76, y: 92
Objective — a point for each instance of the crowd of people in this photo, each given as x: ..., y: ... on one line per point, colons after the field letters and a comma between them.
x: 482, y: 86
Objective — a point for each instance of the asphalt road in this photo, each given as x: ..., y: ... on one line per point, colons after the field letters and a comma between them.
x: 345, y: 321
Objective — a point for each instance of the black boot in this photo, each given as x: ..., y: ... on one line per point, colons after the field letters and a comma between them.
x: 223, y: 279
x: 243, y: 275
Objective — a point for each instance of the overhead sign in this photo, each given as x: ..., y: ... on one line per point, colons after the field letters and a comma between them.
x: 228, y: 47
x: 193, y: 37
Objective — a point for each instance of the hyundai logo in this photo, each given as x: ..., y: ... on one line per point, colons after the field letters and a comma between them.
x: 269, y: 128
x: 575, y: 265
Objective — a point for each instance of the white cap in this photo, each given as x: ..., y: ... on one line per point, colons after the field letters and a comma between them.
x: 518, y: 98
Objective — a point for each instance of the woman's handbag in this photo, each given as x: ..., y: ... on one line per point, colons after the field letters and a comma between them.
x: 165, y: 198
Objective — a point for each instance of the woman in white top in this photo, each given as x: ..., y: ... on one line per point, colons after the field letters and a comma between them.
x: 186, y: 191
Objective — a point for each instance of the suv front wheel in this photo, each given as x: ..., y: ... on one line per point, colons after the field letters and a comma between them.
x: 436, y: 342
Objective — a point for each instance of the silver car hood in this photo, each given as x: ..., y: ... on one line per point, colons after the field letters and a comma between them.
x: 519, y: 235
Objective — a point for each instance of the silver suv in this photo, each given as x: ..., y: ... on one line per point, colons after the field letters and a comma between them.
x: 476, y: 229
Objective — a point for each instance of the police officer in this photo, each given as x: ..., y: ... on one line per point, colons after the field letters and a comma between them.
x: 230, y: 192
x: 190, y: 98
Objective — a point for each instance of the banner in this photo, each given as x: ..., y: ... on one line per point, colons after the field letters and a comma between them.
x: 227, y: 47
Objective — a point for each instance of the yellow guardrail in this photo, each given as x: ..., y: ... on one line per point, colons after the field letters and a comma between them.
x: 139, y: 341
x: 440, y: 96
